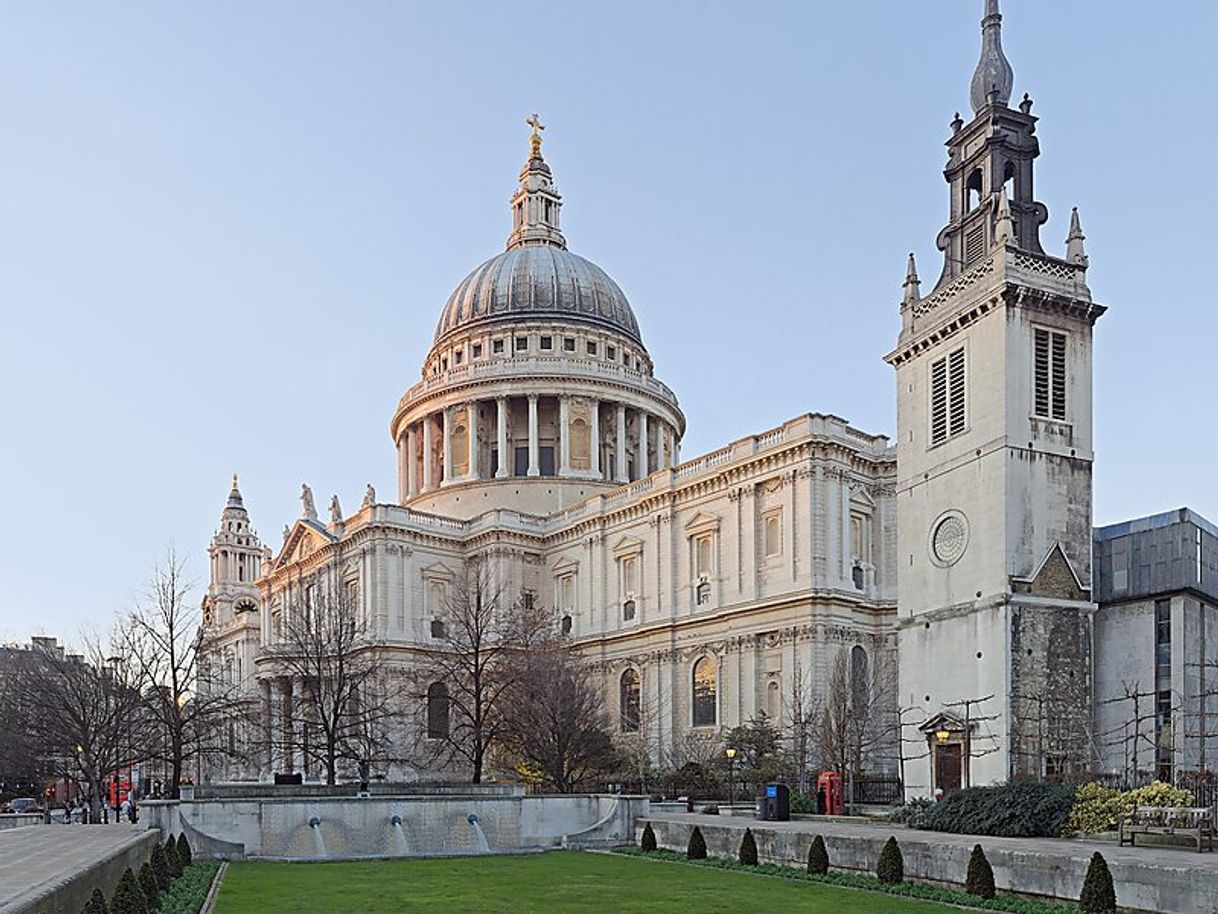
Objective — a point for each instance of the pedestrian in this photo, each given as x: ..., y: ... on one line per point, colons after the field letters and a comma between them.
x: 821, y: 800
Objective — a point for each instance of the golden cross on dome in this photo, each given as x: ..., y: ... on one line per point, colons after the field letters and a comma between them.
x: 535, y: 140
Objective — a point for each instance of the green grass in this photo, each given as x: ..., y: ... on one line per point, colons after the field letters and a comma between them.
x: 558, y: 881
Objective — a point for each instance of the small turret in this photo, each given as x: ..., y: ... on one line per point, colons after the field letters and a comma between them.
x: 912, y: 284
x: 536, y: 203
x: 1075, y: 251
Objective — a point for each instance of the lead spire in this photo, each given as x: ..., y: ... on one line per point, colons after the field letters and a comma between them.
x: 993, y: 79
x: 536, y: 203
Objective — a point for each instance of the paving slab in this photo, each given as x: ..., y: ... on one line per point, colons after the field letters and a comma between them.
x: 43, y: 867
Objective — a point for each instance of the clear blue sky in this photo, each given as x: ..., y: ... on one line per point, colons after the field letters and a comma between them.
x: 227, y: 229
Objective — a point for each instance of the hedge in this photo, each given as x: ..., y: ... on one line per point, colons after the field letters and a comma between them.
x: 189, y: 891
x: 1022, y: 810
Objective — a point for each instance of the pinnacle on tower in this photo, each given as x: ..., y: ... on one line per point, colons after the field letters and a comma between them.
x: 912, y: 285
x: 536, y: 203
x: 993, y: 79
x: 1004, y: 229
x: 234, y: 495
x: 1075, y: 250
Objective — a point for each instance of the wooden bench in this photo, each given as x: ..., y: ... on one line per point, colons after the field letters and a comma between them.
x: 1196, y: 824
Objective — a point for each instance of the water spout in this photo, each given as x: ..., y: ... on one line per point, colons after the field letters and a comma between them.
x: 399, y: 836
x: 473, y: 820
x: 319, y: 842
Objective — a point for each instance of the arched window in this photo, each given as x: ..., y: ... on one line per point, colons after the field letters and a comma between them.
x: 706, y: 686
x: 581, y: 444
x: 460, y: 448
x: 437, y: 711
x: 566, y: 625
x: 629, y: 702
x: 1008, y: 180
x: 972, y: 191
x: 773, y: 703
x: 859, y: 676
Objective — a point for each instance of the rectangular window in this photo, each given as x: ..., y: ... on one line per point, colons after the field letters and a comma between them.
x: 591, y: 347
x: 522, y: 461
x: 545, y: 459
x: 948, y: 402
x: 1049, y: 375
x: 547, y: 342
x: 522, y: 343
x: 565, y: 592
x: 610, y: 352
x: 497, y: 346
x: 568, y: 344
x: 477, y: 350
x: 702, y: 556
x: 630, y: 576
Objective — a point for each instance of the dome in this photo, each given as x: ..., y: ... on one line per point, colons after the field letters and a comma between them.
x: 538, y: 281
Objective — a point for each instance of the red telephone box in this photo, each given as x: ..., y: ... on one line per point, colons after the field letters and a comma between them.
x: 831, y: 782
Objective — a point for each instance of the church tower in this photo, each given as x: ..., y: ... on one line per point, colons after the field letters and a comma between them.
x: 230, y: 608
x: 994, y: 459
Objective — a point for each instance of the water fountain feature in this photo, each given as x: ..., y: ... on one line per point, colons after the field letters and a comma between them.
x: 483, y: 846
x: 319, y: 842
x: 399, y: 836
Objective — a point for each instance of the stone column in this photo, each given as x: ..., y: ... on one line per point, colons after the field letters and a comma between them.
x: 473, y: 441
x: 564, y: 436
x: 534, y: 467
x: 644, y: 465
x: 412, y: 469
x: 594, y: 444
x: 268, y: 732
x: 502, y: 405
x: 427, y: 470
x: 620, y: 474
x: 448, y: 447
x: 402, y: 487
x: 288, y: 756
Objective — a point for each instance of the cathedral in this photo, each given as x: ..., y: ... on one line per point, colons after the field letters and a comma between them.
x: 706, y: 591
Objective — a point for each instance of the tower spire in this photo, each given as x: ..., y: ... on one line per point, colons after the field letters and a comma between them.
x: 536, y: 203
x: 1076, y: 252
x: 912, y: 285
x: 993, y: 79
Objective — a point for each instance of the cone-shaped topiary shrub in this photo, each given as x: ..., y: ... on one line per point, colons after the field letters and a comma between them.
x: 1099, y: 896
x: 890, y: 868
x: 149, y: 886
x: 184, y: 853
x: 818, y: 857
x: 128, y: 897
x: 172, y: 860
x: 697, y: 845
x: 748, y: 848
x: 648, y: 841
x: 96, y: 904
x: 980, y: 879
x: 160, y: 868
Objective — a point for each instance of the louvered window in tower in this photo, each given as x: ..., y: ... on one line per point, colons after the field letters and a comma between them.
x: 1049, y: 375
x: 974, y: 245
x: 948, y: 399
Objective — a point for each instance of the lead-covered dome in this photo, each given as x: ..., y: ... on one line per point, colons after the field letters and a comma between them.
x: 536, y: 281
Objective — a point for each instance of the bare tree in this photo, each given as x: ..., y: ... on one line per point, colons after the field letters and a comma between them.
x: 84, y: 713
x: 160, y: 642
x: 470, y: 675
x: 856, y: 721
x: 340, y: 693
x: 1052, y: 731
x: 555, y: 719
x: 973, y: 719
x: 803, y: 713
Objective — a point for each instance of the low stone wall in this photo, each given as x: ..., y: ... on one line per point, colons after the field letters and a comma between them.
x: 1175, y: 884
x: 253, y: 790
x: 312, y: 828
x: 18, y: 819
x: 68, y: 893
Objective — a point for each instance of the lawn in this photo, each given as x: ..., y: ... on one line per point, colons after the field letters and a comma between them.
x: 558, y: 881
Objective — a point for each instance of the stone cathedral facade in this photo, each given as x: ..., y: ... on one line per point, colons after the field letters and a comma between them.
x: 710, y: 589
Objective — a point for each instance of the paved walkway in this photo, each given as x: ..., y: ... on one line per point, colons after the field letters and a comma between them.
x: 1167, y: 857
x: 36, y: 857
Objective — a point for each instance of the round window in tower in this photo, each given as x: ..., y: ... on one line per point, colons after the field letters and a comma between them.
x: 948, y: 538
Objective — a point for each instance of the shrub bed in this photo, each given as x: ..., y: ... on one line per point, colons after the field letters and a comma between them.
x: 914, y: 890
x: 188, y: 892
x: 1022, y: 810
x: 1098, y: 808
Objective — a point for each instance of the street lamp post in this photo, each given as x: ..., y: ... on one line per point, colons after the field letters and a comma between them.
x: 731, y: 776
